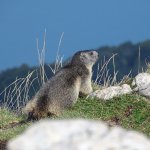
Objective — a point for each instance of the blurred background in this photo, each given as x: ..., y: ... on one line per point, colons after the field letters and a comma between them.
x: 108, y: 26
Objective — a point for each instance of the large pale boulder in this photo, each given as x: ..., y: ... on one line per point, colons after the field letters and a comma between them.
x: 141, y: 84
x: 78, y: 135
x: 110, y: 92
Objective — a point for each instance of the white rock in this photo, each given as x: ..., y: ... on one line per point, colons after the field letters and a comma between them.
x: 78, y: 135
x: 110, y: 92
x: 142, y: 84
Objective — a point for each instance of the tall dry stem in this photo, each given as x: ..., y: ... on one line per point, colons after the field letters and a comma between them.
x: 103, y: 75
x: 59, y: 59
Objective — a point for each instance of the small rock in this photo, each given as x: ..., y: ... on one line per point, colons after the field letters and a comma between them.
x: 141, y: 84
x: 78, y: 135
x: 110, y: 92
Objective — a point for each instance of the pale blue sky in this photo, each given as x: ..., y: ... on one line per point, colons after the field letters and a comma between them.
x: 86, y: 24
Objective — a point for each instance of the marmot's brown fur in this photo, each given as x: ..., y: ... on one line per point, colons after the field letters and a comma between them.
x: 62, y: 90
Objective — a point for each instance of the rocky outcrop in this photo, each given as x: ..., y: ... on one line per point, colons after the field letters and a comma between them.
x: 78, y: 135
x: 110, y: 92
x: 141, y: 84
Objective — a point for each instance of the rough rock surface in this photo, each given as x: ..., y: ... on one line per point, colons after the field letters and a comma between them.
x: 78, y: 135
x: 110, y: 92
x: 141, y: 84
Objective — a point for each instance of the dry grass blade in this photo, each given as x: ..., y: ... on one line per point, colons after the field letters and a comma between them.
x: 103, y: 75
x: 16, y: 94
x: 41, y: 56
x: 59, y: 59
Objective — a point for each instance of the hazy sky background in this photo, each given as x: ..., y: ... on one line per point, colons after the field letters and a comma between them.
x: 86, y: 24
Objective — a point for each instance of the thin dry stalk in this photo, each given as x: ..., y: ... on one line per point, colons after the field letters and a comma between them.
x: 139, y: 60
x: 103, y: 75
x: 41, y: 55
x: 12, y: 93
x: 59, y: 59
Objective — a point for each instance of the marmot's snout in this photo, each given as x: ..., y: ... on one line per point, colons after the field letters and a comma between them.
x: 95, y: 54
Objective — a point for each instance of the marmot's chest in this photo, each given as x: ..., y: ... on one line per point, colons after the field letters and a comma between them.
x: 78, y: 83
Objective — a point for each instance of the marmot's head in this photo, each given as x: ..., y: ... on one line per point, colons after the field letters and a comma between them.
x: 86, y: 57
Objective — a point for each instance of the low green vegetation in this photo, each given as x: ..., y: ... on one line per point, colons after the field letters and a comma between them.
x: 129, y: 111
x: 7, y: 121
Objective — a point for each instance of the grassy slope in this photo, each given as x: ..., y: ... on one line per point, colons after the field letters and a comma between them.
x: 129, y: 111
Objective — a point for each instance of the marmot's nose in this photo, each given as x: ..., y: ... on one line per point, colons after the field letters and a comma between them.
x: 96, y: 53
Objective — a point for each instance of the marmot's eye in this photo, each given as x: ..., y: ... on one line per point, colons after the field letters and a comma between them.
x: 91, y: 53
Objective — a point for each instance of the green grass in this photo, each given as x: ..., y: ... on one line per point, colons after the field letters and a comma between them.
x: 128, y: 111
x: 131, y: 111
x: 8, y: 118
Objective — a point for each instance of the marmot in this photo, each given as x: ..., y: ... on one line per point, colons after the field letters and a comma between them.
x: 62, y: 90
